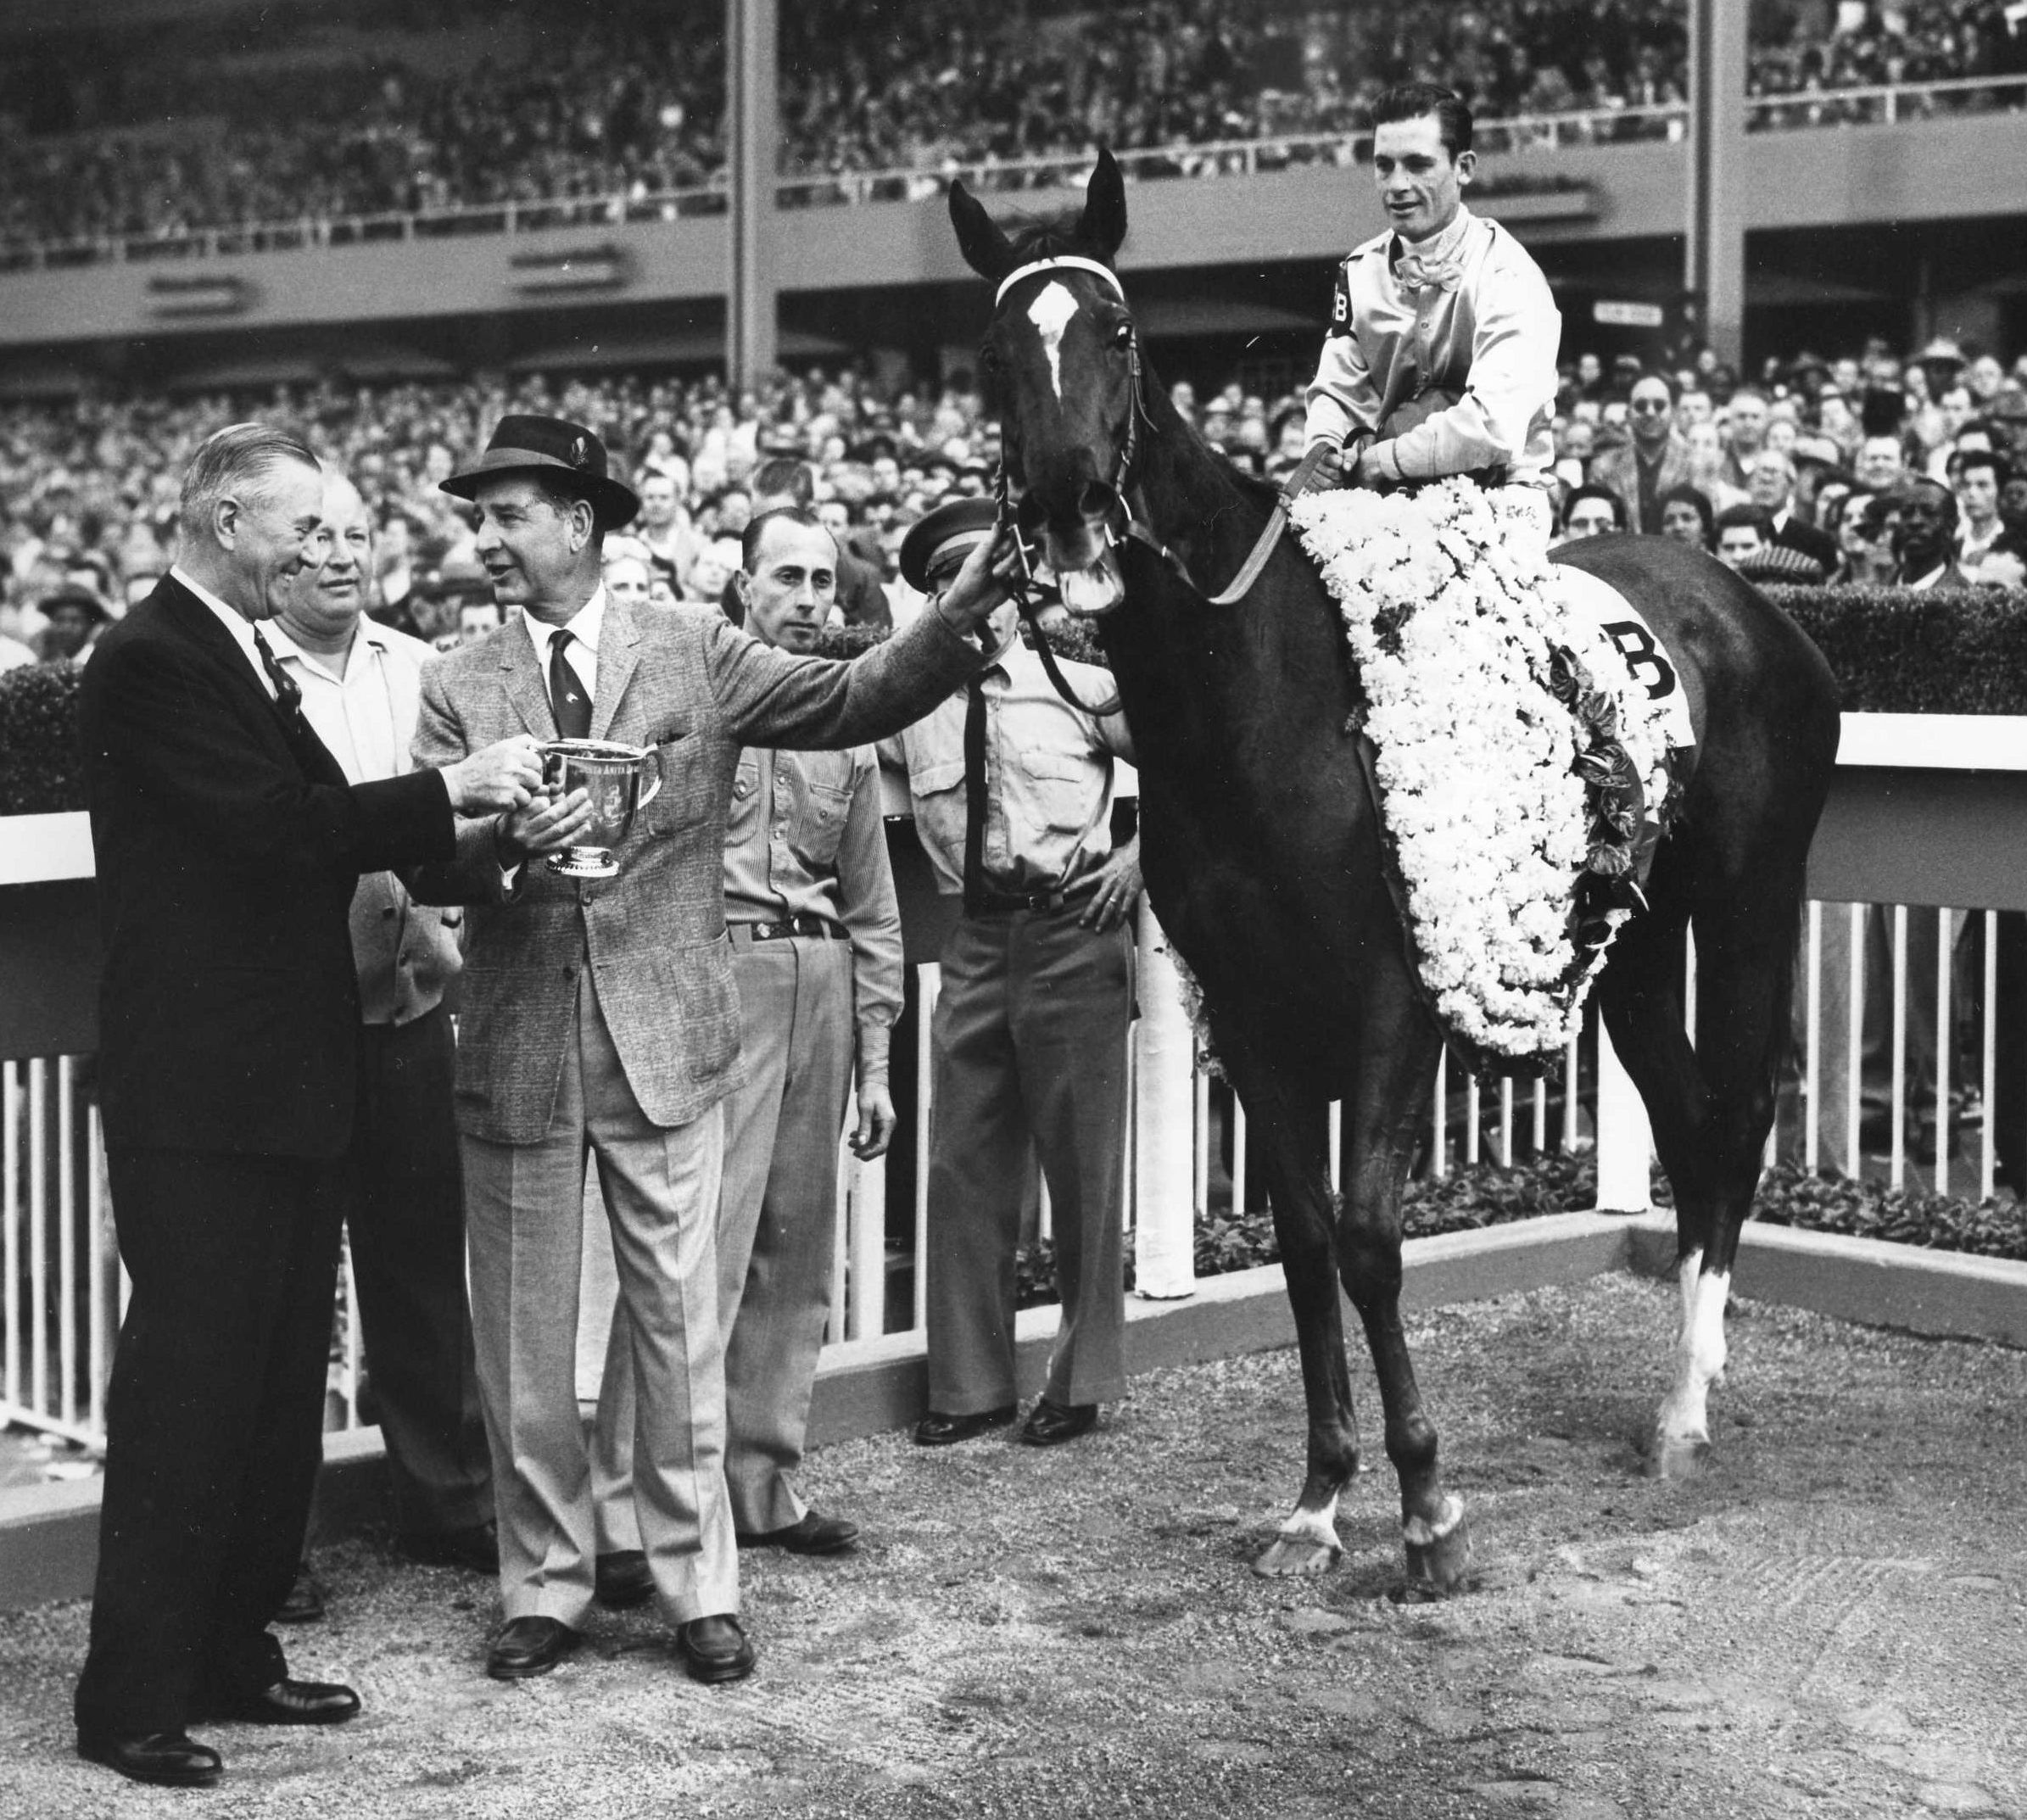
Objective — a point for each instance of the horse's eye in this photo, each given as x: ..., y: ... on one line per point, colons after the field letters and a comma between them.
x: 988, y: 359
x: 1122, y: 337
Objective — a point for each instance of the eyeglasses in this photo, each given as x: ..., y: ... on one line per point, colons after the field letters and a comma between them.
x: 1649, y: 407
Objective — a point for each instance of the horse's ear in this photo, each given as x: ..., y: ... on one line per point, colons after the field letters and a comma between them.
x: 986, y: 250
x: 1103, y: 224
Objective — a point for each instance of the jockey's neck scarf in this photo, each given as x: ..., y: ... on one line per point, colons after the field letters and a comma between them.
x: 1436, y: 261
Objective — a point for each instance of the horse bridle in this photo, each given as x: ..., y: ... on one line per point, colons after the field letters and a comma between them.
x: 1032, y: 592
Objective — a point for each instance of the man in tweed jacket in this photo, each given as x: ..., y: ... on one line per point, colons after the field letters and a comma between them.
x: 601, y: 1016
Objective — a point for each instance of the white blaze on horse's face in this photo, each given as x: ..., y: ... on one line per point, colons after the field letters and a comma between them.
x: 1051, y: 313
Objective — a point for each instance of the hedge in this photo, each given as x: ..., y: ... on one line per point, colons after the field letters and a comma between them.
x: 39, y: 768
x: 1893, y: 650
x: 1487, y: 1195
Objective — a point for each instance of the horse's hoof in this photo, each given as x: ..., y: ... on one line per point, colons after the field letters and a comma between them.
x: 1438, y: 1562
x: 1298, y: 1558
x: 1676, y: 1458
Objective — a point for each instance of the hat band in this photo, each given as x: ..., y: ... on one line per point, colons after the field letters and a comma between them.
x: 1072, y: 260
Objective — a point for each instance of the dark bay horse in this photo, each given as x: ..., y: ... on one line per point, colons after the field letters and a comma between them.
x: 1262, y: 852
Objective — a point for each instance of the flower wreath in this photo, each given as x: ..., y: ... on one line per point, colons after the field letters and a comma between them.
x: 1522, y: 797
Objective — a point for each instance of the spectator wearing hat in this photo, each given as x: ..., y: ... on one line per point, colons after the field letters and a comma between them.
x: 601, y: 1016
x: 1651, y: 461
x: 1012, y: 790
x: 817, y: 954
x: 75, y: 617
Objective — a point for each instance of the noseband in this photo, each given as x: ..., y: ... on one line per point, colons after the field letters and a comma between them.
x: 1033, y: 592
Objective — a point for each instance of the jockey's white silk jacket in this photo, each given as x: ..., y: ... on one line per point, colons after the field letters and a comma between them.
x: 1480, y: 327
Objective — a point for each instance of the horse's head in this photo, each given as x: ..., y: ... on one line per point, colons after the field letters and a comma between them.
x: 1060, y: 367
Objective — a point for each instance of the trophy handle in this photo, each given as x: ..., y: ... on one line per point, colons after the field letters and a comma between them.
x: 556, y: 770
x: 647, y: 796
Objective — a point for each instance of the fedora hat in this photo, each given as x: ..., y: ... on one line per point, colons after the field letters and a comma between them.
x: 566, y: 453
x: 940, y: 541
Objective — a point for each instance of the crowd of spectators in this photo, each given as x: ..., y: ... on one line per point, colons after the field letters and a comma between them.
x: 1802, y: 471
x: 619, y: 110
x: 1873, y: 468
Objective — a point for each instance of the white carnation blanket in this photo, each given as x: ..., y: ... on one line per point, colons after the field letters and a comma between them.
x: 1518, y: 752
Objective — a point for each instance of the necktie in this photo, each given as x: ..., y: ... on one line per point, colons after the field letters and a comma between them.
x: 975, y: 797
x: 289, y: 693
x: 566, y: 698
x: 1417, y: 273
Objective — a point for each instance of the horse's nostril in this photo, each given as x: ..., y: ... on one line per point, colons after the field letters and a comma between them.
x: 1030, y: 513
x: 1097, y: 500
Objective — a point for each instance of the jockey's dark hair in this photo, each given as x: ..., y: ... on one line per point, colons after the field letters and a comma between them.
x: 749, y: 540
x: 1409, y: 101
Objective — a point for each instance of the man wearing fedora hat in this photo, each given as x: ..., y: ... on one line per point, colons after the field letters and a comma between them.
x: 1012, y: 790
x: 601, y: 1016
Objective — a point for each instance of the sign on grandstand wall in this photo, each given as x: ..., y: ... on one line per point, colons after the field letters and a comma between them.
x: 1615, y: 313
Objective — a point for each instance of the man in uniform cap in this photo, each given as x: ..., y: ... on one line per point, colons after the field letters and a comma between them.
x: 601, y: 1016
x: 1012, y: 790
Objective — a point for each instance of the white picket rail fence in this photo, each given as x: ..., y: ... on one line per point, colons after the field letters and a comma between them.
x: 64, y: 1289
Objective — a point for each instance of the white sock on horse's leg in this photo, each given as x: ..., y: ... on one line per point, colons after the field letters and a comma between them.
x: 1698, y: 1354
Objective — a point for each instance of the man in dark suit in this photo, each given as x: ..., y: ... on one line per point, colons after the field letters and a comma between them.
x: 228, y: 844
x: 1772, y: 485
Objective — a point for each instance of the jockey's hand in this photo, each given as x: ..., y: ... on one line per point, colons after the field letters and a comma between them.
x: 1328, y: 472
x: 1377, y: 466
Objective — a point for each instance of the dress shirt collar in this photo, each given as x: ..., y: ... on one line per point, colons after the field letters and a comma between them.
x: 237, y: 625
x: 1438, y: 249
x: 1931, y: 579
x: 367, y: 634
x: 585, y: 626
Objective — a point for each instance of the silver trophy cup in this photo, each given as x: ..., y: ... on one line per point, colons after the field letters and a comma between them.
x: 609, y: 774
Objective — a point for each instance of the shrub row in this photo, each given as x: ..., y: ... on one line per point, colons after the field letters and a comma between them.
x: 1894, y: 651
x: 39, y: 768
x: 1490, y: 1195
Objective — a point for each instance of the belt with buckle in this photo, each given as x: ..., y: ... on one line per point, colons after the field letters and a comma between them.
x: 801, y: 924
x: 1007, y: 903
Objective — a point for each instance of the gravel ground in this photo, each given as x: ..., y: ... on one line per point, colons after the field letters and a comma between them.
x: 1832, y: 1621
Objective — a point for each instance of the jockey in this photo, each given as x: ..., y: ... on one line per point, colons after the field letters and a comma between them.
x: 1440, y: 358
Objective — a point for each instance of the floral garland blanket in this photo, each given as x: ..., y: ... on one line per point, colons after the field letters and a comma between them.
x: 1524, y: 770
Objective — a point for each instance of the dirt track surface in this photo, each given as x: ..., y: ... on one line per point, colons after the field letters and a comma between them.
x: 1832, y: 1621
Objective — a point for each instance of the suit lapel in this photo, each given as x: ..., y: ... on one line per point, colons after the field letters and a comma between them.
x: 617, y: 657
x: 522, y: 678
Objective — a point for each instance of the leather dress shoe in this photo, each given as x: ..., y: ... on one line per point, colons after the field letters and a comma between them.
x: 936, y: 1429
x: 809, y: 1534
x: 475, y: 1548
x: 621, y: 1580
x: 306, y: 1602
x: 528, y: 1647
x: 1050, y: 1424
x: 716, y: 1649
x: 289, y: 1703
x: 168, y: 1759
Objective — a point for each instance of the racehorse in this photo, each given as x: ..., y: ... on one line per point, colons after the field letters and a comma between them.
x: 1262, y: 851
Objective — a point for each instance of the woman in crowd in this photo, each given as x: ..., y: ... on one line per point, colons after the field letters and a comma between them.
x: 1688, y: 517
